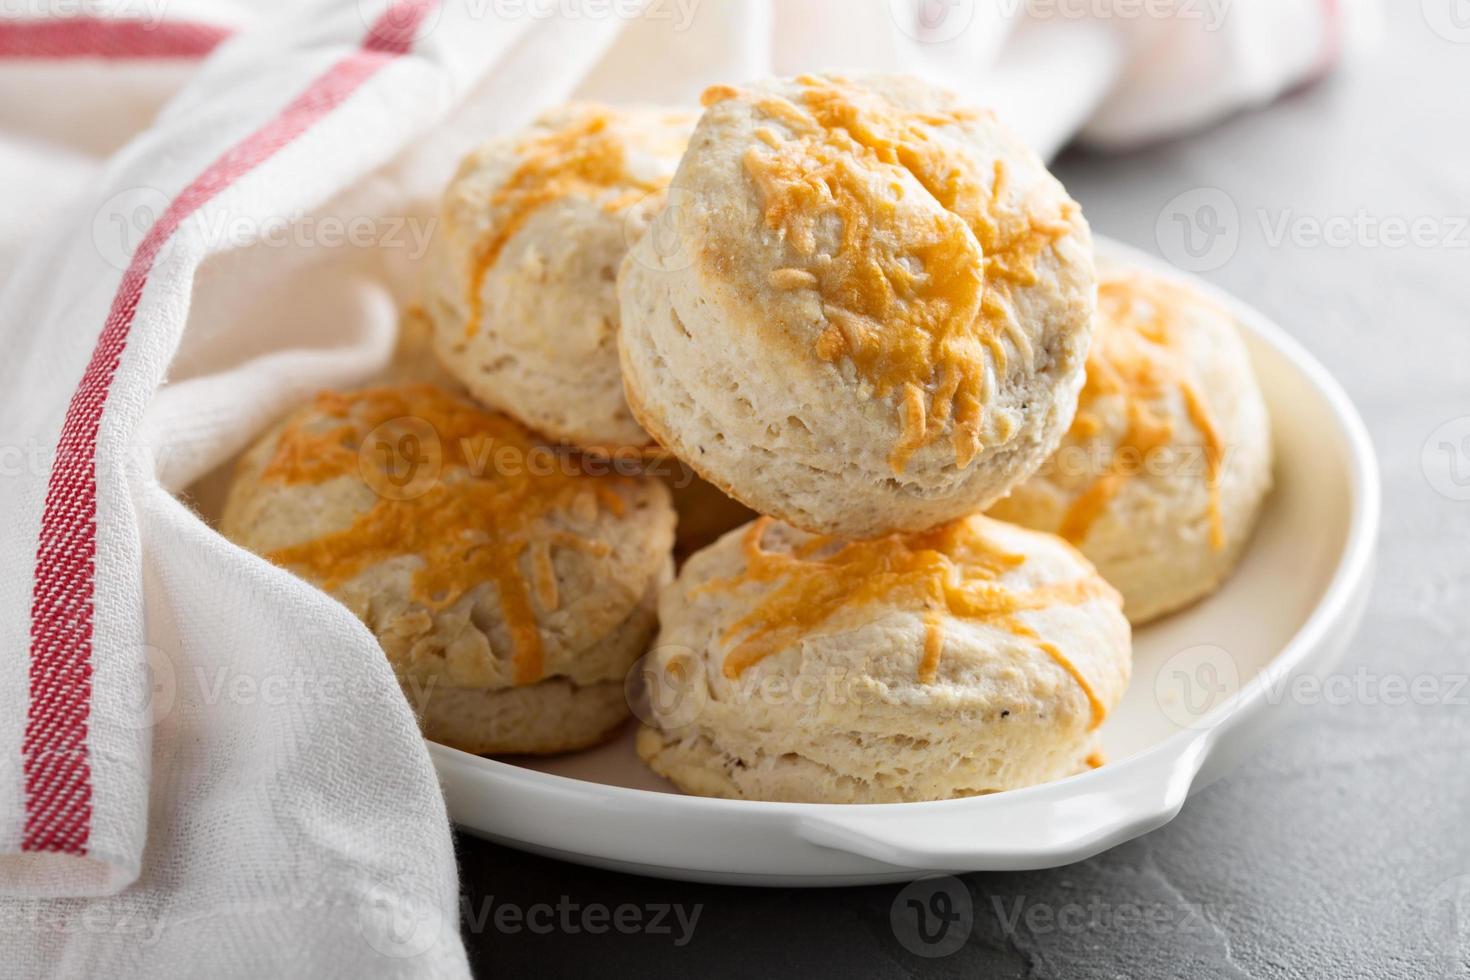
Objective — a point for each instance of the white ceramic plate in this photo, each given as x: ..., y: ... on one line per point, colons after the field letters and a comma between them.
x: 1206, y: 684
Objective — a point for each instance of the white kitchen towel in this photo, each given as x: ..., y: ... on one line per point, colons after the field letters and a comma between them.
x: 210, y: 209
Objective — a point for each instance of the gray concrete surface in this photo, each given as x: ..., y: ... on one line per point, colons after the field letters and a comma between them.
x: 1343, y: 849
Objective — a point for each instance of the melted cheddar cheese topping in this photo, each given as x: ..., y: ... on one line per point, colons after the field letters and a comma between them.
x: 586, y: 157
x: 1136, y: 355
x: 953, y: 570
x: 462, y: 489
x: 918, y: 292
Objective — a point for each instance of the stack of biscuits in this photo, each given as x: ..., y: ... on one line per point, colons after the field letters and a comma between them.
x: 841, y: 346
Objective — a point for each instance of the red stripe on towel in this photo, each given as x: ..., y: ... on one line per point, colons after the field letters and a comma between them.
x: 112, y: 38
x: 58, y: 775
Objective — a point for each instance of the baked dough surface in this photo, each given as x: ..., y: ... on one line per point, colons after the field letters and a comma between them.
x: 972, y: 658
x: 489, y: 566
x: 878, y: 311
x: 521, y: 275
x: 1162, y: 475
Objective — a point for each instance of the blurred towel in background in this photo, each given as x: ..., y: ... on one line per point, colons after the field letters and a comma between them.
x: 166, y: 171
x: 1112, y: 73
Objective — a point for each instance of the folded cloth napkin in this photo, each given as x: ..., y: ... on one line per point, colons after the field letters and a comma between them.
x: 208, y: 210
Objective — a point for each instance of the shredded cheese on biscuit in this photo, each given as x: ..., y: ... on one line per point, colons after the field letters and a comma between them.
x: 918, y: 293
x: 1136, y: 355
x: 477, y: 512
x: 953, y: 570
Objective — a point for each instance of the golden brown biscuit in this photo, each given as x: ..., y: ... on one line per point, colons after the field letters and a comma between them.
x: 510, y: 590
x: 521, y: 277
x: 968, y: 659
x: 877, y: 313
x: 1162, y: 475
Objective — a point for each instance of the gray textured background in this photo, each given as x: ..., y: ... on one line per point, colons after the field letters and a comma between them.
x: 1343, y: 849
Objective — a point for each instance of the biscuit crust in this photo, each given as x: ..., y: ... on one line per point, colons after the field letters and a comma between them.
x: 1163, y: 473
x: 481, y: 559
x: 877, y: 313
x: 970, y: 659
x: 521, y: 277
